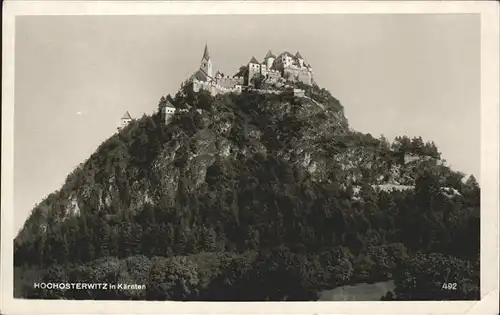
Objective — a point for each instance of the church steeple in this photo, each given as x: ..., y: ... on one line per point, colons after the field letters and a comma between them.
x: 206, y: 63
x: 206, y: 55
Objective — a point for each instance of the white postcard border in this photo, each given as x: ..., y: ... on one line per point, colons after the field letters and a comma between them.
x: 489, y: 12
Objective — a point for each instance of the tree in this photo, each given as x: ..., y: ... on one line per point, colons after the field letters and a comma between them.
x: 283, y: 276
x: 137, y: 269
x: 472, y: 182
x: 204, y: 100
x: 257, y: 80
x: 173, y: 278
x: 235, y: 281
x: 417, y: 145
x: 384, y: 144
x: 107, y: 270
x: 209, y: 239
x: 472, y: 191
x: 242, y: 71
x: 54, y: 275
x: 181, y: 241
x: 162, y: 104
x: 437, y: 277
x: 427, y: 190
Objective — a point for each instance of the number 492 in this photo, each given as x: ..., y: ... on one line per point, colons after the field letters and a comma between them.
x: 449, y: 286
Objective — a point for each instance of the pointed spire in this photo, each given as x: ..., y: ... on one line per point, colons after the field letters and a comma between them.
x: 126, y: 115
x: 253, y: 60
x: 270, y: 55
x: 297, y: 55
x: 170, y: 101
x: 206, y: 55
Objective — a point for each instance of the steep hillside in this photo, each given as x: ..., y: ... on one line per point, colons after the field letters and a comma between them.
x: 148, y: 162
x: 272, y: 174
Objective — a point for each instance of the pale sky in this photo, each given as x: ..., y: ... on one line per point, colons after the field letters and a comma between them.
x: 415, y: 75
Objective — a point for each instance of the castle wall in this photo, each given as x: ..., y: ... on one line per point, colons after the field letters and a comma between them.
x: 227, y: 82
x: 168, y: 112
x: 297, y: 74
x: 198, y: 85
x: 263, y: 69
x: 299, y: 92
x: 215, y: 88
x: 305, y: 77
x: 284, y: 60
x: 124, y: 123
x: 273, y: 76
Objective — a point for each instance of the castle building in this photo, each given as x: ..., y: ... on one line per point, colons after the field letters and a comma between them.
x: 125, y: 120
x: 169, y: 110
x: 269, y: 58
x: 287, y: 66
x: 206, y: 63
x: 254, y: 68
x: 284, y: 67
x: 293, y: 68
x: 204, y: 80
x: 265, y: 68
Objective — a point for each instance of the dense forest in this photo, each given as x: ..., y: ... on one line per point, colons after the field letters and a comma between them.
x: 254, y: 196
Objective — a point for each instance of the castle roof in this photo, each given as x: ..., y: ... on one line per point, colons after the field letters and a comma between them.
x: 253, y: 60
x: 200, y: 75
x: 297, y: 55
x: 206, y: 55
x: 270, y: 55
x: 169, y: 104
x: 126, y: 115
x: 169, y: 101
x: 286, y: 53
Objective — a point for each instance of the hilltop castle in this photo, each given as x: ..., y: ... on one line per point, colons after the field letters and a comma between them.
x: 285, y: 67
x: 273, y: 70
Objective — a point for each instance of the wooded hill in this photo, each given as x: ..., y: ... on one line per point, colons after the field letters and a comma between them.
x: 254, y: 197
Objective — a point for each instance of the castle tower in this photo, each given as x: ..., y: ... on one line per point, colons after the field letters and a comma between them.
x: 126, y: 119
x: 253, y: 69
x: 263, y: 68
x: 169, y: 110
x: 206, y: 63
x: 300, y: 59
x: 270, y: 57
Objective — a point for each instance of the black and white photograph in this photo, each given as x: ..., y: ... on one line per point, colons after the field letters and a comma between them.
x: 295, y: 154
